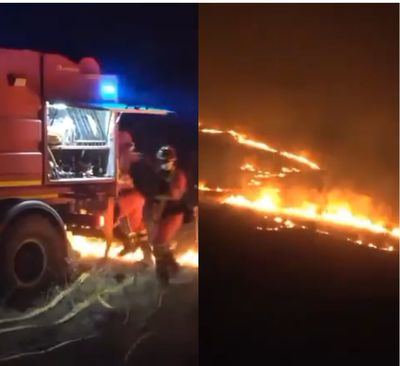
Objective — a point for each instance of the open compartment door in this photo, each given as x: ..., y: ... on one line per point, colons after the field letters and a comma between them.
x: 124, y: 108
x: 80, y: 143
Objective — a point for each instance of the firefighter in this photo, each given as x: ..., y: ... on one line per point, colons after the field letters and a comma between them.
x: 168, y: 211
x: 130, y: 202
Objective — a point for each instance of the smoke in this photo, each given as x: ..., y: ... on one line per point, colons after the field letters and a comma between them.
x: 321, y: 79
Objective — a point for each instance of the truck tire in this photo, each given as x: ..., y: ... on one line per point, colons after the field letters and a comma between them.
x: 32, y: 256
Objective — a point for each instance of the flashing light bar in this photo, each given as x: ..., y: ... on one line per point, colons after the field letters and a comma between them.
x: 109, y: 88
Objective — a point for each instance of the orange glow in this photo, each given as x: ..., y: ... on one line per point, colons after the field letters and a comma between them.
x: 334, y: 207
x: 396, y: 232
x: 244, y: 140
x: 249, y: 167
x: 101, y: 221
x: 300, y: 159
x: 337, y: 213
x: 189, y: 258
x: 203, y: 187
x: 94, y: 248
x: 289, y: 170
x: 268, y: 202
x: 211, y: 131
x: 254, y: 182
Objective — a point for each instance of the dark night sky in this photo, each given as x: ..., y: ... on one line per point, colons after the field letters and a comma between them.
x: 322, y: 78
x: 152, y: 47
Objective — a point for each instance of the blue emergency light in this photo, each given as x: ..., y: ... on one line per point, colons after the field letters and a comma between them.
x: 109, y: 88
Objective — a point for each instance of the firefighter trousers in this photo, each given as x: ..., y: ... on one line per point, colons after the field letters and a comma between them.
x: 166, y: 229
x: 131, y: 206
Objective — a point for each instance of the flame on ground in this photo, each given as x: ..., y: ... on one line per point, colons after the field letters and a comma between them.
x: 244, y: 140
x: 300, y: 159
x: 204, y: 188
x: 94, y: 248
x: 189, y: 258
x: 249, y: 167
x: 337, y: 207
x: 334, y: 213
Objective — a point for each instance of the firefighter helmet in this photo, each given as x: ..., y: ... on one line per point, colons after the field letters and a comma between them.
x: 167, y: 153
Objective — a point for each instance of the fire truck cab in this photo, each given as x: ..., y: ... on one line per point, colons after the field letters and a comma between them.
x: 58, y: 161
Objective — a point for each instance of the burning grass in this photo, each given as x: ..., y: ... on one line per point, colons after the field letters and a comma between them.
x: 244, y: 140
x: 90, y: 248
x: 266, y: 192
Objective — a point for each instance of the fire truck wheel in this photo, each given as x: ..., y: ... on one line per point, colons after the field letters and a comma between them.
x: 31, y: 254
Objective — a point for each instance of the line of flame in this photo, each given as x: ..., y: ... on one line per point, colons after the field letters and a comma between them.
x: 339, y: 215
x: 94, y: 248
x: 244, y: 140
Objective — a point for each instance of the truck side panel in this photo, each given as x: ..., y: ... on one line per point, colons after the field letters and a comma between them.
x: 22, y: 135
x: 21, y: 159
x: 68, y: 81
x: 20, y: 169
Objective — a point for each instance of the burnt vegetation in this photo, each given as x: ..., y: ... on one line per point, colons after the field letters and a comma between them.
x: 293, y: 296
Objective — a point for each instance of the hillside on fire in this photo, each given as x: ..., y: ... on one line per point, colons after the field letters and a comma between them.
x: 286, y: 186
x: 310, y: 267
x: 299, y: 183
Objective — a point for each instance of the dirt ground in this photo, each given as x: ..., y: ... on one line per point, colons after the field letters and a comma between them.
x: 109, y: 315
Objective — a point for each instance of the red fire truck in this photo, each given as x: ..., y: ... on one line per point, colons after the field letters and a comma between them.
x: 58, y: 161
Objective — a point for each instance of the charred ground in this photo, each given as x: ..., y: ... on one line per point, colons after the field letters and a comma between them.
x: 293, y: 296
